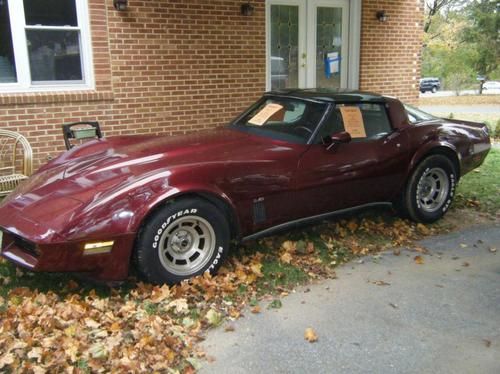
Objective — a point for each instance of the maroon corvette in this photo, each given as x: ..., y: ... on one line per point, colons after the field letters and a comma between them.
x: 174, y: 205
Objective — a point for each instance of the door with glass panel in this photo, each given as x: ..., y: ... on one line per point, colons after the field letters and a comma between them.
x: 307, y: 43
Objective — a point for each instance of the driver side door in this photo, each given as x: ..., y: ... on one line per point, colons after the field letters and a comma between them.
x: 365, y: 170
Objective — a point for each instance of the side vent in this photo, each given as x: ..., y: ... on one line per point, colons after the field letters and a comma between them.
x: 259, y: 211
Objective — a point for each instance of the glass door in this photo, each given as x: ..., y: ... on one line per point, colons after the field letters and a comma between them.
x: 307, y: 43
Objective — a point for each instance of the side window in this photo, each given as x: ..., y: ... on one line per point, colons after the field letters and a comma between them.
x: 363, y: 121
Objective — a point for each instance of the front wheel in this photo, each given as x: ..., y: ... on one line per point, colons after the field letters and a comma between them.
x: 181, y: 240
x: 430, y: 189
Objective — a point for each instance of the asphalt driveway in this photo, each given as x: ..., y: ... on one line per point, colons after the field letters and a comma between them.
x: 388, y: 314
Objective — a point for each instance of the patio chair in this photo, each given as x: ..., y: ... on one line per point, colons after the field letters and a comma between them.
x: 79, y: 131
x: 9, y: 163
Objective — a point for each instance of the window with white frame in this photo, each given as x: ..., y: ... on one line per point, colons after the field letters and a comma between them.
x: 44, y: 45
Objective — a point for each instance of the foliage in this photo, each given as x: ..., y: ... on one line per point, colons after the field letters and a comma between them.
x: 461, y: 43
x: 482, y: 32
x: 496, y: 133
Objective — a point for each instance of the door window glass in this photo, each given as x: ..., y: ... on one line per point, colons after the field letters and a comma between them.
x: 328, y: 47
x: 375, y: 121
x: 284, y: 46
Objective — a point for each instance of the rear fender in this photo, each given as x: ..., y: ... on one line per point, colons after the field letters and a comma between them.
x: 437, y: 147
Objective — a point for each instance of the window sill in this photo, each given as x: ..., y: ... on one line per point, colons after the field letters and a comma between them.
x: 54, y: 97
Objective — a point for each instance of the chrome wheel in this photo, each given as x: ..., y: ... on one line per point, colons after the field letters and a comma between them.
x: 432, y: 189
x: 186, y: 245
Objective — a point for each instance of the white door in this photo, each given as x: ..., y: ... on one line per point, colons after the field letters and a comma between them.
x: 307, y: 43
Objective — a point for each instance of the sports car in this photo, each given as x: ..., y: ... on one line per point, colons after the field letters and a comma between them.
x: 174, y: 205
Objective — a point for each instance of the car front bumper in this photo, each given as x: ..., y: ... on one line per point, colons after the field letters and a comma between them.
x: 111, y: 264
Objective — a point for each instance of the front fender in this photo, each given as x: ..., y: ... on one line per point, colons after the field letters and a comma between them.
x: 123, y: 209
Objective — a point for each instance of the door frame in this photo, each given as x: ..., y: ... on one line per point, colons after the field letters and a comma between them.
x: 353, y: 27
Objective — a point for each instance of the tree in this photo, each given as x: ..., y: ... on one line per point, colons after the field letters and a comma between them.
x: 482, y: 34
x: 434, y: 7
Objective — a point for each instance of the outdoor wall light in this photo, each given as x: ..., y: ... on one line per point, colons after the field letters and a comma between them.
x: 247, y: 9
x: 382, y: 16
x: 120, y: 5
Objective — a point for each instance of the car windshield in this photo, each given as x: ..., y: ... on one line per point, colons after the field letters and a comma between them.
x: 416, y: 115
x: 288, y: 119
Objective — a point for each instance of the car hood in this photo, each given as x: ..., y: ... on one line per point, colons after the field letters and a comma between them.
x: 85, y: 175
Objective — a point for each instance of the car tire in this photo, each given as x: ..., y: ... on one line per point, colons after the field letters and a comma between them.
x: 430, y: 189
x: 434, y: 89
x: 181, y: 240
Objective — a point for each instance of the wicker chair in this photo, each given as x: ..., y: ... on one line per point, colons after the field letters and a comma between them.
x: 9, y: 178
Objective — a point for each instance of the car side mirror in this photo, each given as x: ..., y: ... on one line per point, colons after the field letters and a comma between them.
x: 338, y: 138
x: 341, y: 137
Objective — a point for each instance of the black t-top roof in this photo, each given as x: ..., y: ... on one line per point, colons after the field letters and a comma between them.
x: 328, y: 95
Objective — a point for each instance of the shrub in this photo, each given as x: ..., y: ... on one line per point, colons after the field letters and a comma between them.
x: 496, y: 133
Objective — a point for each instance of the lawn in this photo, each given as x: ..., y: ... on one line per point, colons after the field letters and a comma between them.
x: 52, y: 322
x: 460, y: 100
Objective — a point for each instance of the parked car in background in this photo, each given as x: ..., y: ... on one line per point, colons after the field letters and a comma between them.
x: 430, y: 84
x: 491, y: 85
x: 174, y: 205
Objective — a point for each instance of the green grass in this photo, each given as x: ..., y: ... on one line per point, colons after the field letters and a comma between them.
x: 481, y: 187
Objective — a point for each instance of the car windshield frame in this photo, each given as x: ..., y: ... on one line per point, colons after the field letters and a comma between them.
x: 418, y: 114
x: 289, y: 129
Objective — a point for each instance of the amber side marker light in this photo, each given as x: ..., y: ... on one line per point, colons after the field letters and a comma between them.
x: 98, y: 248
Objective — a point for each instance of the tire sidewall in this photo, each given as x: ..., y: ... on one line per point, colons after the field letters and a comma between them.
x: 413, y: 204
x: 147, y: 246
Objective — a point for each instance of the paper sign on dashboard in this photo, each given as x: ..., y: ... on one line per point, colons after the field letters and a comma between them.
x: 265, y: 114
x: 353, y: 121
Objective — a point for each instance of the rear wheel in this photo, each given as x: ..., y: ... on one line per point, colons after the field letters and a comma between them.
x: 185, y: 238
x: 430, y: 189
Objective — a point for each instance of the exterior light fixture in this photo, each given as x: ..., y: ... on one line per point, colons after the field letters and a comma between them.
x: 120, y: 5
x: 382, y: 16
x: 247, y: 9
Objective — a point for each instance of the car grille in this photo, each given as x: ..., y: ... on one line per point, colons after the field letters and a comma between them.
x: 21, y: 243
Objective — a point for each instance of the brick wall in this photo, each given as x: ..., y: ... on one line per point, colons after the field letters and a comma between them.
x: 173, y: 66
x: 391, y: 50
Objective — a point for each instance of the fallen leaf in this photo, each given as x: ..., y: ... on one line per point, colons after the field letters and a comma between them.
x: 98, y: 350
x: 395, y: 306
x: 289, y: 246
x: 213, y: 317
x: 487, y: 342
x: 275, y: 304
x: 229, y: 328
x: 180, y: 306
x: 255, y: 309
x: 465, y: 264
x: 310, y: 335
x: 381, y: 283
x: 396, y: 251
x: 160, y: 294
x: 419, y: 260
x: 493, y: 250
x: 463, y: 245
x: 422, y: 229
x: 286, y: 257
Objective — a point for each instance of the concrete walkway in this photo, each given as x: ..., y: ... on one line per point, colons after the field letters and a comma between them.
x: 442, y: 316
